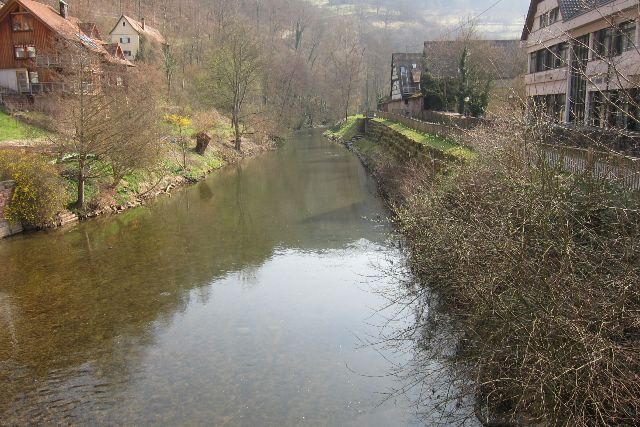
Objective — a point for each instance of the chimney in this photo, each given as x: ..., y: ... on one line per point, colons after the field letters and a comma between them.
x: 143, y: 24
x: 64, y: 9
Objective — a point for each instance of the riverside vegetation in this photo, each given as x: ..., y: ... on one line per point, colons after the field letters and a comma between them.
x: 527, y: 280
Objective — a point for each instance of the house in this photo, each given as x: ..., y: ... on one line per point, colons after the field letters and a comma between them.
x: 501, y: 60
x: 132, y: 35
x: 405, y: 97
x: 30, y: 33
x: 584, y: 64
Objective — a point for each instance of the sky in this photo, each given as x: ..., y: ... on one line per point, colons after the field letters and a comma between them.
x: 504, y: 20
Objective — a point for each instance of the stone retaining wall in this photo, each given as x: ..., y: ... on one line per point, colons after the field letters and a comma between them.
x: 6, y: 228
x: 400, y: 145
x: 442, y: 130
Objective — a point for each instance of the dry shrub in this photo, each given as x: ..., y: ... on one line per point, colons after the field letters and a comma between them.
x: 539, y: 274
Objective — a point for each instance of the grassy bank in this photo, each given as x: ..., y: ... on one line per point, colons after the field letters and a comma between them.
x: 535, y: 274
x: 13, y: 130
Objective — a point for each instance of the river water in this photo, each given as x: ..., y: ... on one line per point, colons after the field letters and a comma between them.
x: 243, y: 300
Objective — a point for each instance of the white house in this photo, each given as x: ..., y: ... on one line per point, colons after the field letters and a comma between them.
x: 131, y: 33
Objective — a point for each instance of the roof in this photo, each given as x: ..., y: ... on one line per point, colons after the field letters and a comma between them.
x: 90, y: 29
x: 148, y: 30
x: 70, y: 28
x: 569, y: 9
x: 442, y: 57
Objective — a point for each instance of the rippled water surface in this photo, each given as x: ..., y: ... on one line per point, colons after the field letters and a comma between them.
x: 239, y: 301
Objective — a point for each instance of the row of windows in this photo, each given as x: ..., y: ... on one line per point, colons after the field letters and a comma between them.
x: 616, y: 109
x: 552, y: 107
x: 24, y: 51
x: 615, y: 40
x: 125, y: 39
x: 555, y: 56
x: 550, y: 17
x: 608, y: 42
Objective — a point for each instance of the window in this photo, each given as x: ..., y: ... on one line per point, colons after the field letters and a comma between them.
x: 119, y: 81
x: 556, y: 56
x: 616, y: 109
x: 24, y: 52
x: 627, y: 36
x: 20, y: 52
x: 551, y: 107
x: 544, y: 20
x: 414, y: 66
x: 124, y: 24
x: 126, y: 52
x: 125, y: 39
x: 33, y: 76
x: 613, y: 41
x: 21, y: 22
x: 550, y: 17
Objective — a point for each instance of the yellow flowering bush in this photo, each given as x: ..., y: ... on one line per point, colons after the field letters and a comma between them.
x: 39, y: 193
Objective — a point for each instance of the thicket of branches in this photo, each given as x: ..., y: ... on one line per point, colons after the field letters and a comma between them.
x: 528, y: 293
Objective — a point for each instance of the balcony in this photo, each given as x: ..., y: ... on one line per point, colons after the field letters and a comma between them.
x: 47, y: 61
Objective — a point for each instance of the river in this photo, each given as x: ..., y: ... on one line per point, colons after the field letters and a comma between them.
x: 242, y: 300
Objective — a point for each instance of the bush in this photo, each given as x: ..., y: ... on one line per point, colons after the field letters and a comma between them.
x: 39, y: 193
x: 539, y: 273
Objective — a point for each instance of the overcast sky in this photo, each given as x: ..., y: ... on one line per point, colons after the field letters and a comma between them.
x: 505, y: 20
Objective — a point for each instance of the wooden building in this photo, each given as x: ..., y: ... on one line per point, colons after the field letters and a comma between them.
x: 30, y: 35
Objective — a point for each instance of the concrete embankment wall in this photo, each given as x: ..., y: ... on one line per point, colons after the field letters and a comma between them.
x: 7, y: 228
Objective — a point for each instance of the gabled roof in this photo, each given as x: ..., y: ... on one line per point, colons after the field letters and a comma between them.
x: 69, y: 28
x: 148, y: 31
x: 569, y: 9
x: 442, y: 57
x: 90, y: 29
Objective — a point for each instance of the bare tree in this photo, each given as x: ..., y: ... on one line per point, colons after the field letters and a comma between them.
x: 233, y: 78
x: 101, y: 127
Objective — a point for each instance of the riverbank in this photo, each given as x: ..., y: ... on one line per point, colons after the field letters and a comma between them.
x: 528, y: 266
x: 135, y: 188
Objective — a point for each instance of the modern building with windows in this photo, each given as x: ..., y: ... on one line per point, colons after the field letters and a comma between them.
x: 584, y: 61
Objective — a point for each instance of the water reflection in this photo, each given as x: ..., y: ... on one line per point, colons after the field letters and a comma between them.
x: 237, y: 301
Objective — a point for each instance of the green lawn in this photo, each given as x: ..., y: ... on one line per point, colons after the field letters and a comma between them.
x: 11, y: 130
x: 345, y: 130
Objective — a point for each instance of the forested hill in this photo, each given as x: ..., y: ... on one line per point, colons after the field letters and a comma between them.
x: 318, y: 59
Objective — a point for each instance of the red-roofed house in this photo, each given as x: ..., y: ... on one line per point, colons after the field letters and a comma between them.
x: 30, y: 32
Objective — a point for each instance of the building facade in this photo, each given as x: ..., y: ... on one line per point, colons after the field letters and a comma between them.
x: 131, y: 34
x: 30, y: 34
x: 584, y: 62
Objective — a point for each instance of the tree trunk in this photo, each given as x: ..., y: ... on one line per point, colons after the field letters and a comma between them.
x: 81, y: 180
x: 236, y: 129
